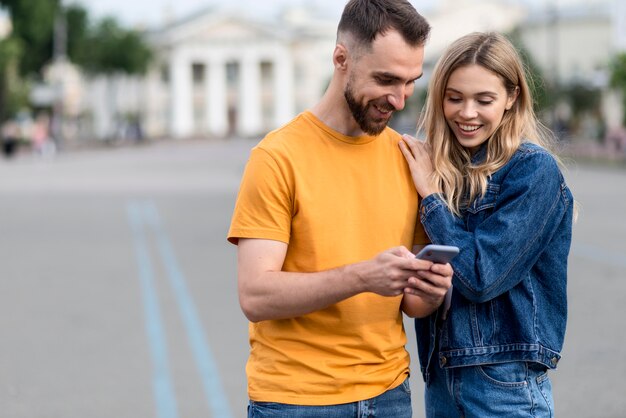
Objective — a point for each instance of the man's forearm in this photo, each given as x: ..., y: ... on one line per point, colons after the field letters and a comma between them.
x: 280, y: 295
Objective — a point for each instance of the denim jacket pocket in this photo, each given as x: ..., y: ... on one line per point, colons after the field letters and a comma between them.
x: 482, y: 206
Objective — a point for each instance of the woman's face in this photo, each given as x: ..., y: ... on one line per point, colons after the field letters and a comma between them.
x: 474, y: 103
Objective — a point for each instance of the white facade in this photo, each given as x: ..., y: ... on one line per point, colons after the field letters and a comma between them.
x: 256, y: 76
x: 217, y: 74
x: 223, y: 75
x: 455, y: 18
x: 573, y: 43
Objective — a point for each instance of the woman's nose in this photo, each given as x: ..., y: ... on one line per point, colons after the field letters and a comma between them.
x: 468, y: 111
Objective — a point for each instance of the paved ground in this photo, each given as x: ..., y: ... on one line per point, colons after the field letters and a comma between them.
x: 118, y: 296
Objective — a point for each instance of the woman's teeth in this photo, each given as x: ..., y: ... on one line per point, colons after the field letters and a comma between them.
x: 469, y: 128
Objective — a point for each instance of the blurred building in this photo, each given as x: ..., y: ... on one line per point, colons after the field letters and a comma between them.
x: 219, y: 74
x: 455, y: 18
x: 574, y: 43
x: 570, y: 43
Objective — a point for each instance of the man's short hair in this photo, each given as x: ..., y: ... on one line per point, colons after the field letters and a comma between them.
x: 363, y: 20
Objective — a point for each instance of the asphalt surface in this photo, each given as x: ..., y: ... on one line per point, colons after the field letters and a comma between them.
x: 118, y: 289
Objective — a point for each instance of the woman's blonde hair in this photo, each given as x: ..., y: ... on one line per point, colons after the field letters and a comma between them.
x: 460, y: 180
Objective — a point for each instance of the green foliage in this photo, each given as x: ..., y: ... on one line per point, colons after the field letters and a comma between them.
x: 33, y: 24
x: 13, y: 90
x: 104, y: 47
x: 10, y: 51
x: 114, y: 49
x: 77, y: 23
x: 582, y: 97
x: 617, y: 68
x: 543, y: 93
x: 617, y: 80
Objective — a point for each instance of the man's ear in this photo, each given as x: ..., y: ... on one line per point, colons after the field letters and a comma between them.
x: 340, y: 57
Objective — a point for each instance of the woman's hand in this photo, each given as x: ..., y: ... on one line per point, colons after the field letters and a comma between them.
x: 417, y: 156
x: 427, y: 290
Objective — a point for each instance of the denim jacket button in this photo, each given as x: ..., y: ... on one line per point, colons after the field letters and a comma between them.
x: 554, y: 361
x: 443, y: 360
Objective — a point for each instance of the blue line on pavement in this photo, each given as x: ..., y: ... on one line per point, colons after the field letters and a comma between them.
x: 162, y: 386
x: 204, y: 359
x: 599, y: 255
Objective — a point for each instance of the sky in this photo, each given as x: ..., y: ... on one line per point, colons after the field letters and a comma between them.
x: 151, y: 13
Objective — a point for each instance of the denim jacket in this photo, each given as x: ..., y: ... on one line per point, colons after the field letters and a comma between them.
x: 509, y: 300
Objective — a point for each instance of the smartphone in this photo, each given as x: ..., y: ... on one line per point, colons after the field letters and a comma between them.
x: 440, y: 254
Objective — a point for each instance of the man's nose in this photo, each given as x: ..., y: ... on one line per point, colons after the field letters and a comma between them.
x: 398, y: 98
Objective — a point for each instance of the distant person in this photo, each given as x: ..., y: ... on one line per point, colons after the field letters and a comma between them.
x: 324, y: 220
x: 615, y: 140
x: 43, y: 143
x: 490, y: 186
x: 10, y: 138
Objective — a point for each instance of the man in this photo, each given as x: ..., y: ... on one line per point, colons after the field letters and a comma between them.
x: 324, y: 217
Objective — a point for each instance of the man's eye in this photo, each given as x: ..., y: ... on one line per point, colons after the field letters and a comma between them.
x: 385, y: 81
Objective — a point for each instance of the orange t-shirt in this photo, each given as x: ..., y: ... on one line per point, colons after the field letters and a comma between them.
x: 335, y: 200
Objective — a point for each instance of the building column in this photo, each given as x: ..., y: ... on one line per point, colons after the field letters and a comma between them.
x: 181, y: 90
x: 284, y: 96
x: 250, y: 120
x: 619, y: 24
x: 216, y: 99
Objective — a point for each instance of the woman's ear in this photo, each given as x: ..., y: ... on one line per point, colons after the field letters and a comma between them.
x: 512, y: 98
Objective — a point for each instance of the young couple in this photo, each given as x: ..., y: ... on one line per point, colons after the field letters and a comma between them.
x: 331, y: 203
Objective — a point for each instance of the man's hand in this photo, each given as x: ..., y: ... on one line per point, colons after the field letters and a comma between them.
x: 266, y: 292
x: 388, y: 274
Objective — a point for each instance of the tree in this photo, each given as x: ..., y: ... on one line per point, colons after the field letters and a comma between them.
x: 33, y: 25
x: 77, y: 24
x: 24, y: 51
x: 617, y: 80
x: 543, y: 93
x: 13, y: 92
x: 582, y: 97
x: 103, y: 47
x: 110, y: 48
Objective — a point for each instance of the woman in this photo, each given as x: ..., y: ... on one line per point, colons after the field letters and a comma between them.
x: 491, y: 187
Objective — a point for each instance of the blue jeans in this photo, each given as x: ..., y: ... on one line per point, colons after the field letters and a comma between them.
x: 511, y: 390
x: 395, y: 403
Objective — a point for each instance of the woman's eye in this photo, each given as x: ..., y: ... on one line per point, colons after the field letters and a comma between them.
x: 485, y: 102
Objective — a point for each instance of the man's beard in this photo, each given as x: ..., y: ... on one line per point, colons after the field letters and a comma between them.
x: 359, y: 113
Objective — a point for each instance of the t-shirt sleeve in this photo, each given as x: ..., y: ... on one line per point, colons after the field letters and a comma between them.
x: 420, y: 237
x: 264, y: 204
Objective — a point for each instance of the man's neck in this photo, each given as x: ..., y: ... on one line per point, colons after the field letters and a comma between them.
x: 333, y: 111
